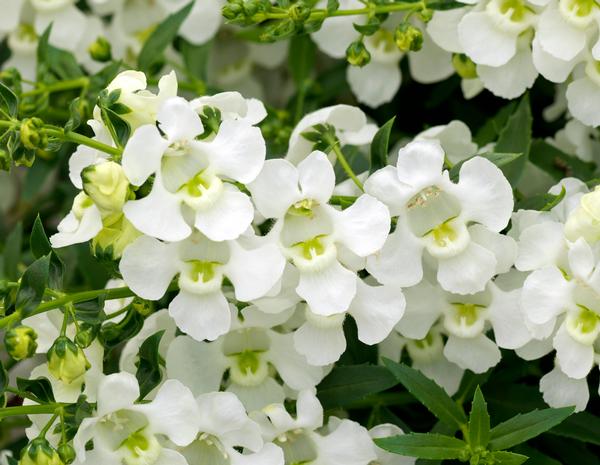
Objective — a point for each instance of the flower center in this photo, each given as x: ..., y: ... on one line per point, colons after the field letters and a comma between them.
x: 512, y: 16
x: 298, y: 447
x: 140, y: 448
x: 583, y: 325
x: 201, y: 277
x: 208, y: 449
x: 201, y: 191
x: 465, y: 319
x: 248, y: 368
x: 427, y: 349
x: 303, y: 208
x: 578, y: 12
x: 313, y: 254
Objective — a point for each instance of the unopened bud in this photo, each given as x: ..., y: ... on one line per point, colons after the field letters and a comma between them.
x: 357, y: 54
x: 142, y: 306
x: 100, y: 50
x: 464, y: 66
x: 31, y: 134
x: 40, y: 452
x: 86, y: 335
x: 66, y: 360
x: 299, y: 12
x: 111, y: 241
x: 21, y: 342
x: 408, y: 38
x: 67, y: 453
x: 107, y: 186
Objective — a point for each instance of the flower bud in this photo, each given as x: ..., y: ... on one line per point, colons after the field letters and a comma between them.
x: 408, y: 38
x: 357, y: 54
x: 464, y: 66
x: 31, y: 135
x: 107, y: 186
x: 234, y: 9
x: 5, y: 160
x: 142, y: 306
x: 117, y: 234
x: 21, y: 342
x: 100, y: 50
x: 40, y: 452
x: 86, y: 335
x: 299, y: 12
x: 66, y: 360
x: 67, y: 453
x: 584, y: 221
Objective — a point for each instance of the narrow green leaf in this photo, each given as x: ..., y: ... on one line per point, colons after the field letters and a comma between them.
x: 515, y: 137
x: 444, y: 5
x: 582, y: 426
x: 40, y: 388
x: 149, y: 372
x: 428, y: 393
x: 543, y: 202
x: 302, y: 55
x: 479, y: 421
x: 508, y: 458
x: 379, y: 146
x: 161, y: 37
x: 38, y: 241
x: 490, y: 130
x: 195, y: 58
x: 502, y: 160
x: 559, y: 164
x: 523, y: 427
x: 12, y: 252
x: 8, y: 100
x: 346, y: 384
x: 75, y: 114
x: 424, y: 446
x: 332, y: 5
x: 32, y: 285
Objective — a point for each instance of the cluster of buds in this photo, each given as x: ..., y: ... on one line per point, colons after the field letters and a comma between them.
x: 244, y: 12
x: 20, y: 342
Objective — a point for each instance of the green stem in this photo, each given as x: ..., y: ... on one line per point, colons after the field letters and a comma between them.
x: 59, y: 86
x: 29, y: 410
x: 48, y: 426
x: 77, y: 138
x: 322, y: 14
x: 109, y: 294
x: 346, y: 166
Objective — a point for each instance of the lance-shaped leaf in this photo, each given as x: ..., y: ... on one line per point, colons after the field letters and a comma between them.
x: 425, y: 446
x: 429, y: 394
x: 32, y: 285
x: 479, y: 421
x: 40, y: 388
x: 508, y: 458
x: 523, y: 427
x: 149, y: 372
x: 379, y: 146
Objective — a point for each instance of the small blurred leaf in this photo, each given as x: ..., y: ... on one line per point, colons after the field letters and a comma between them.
x: 379, y: 146
x: 12, y: 252
x: 32, y: 286
x: 149, y: 372
x: 8, y: 100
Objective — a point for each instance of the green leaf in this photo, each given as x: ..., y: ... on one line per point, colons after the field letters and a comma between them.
x: 91, y: 311
x: 40, y: 388
x: 302, y: 55
x: 559, y: 164
x: 346, y: 384
x: 508, y: 458
x: 379, y: 146
x: 149, y: 372
x: 32, y: 286
x: 53, y: 63
x: 113, y: 334
x: 428, y: 393
x: 196, y: 58
x: 12, y: 252
x: 424, y: 445
x: 523, y: 427
x: 445, y: 5
x: 117, y: 126
x: 504, y: 161
x: 582, y: 426
x: 161, y: 37
x: 515, y: 137
x: 8, y: 100
x: 75, y: 414
x: 542, y: 202
x: 479, y: 421
x: 332, y: 5
x: 76, y: 115
x: 489, y: 132
x: 38, y: 241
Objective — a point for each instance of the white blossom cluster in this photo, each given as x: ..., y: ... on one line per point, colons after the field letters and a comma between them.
x: 265, y: 259
x: 509, y: 43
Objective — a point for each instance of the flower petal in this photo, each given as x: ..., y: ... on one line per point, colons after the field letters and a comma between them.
x: 375, y: 83
x: 142, y: 154
x: 467, y: 272
x: 477, y: 354
x: 320, y: 346
x: 484, y: 42
x: 178, y: 120
x: 575, y: 359
x: 201, y: 316
x: 545, y: 295
x: 328, y: 291
x: 561, y: 391
x: 276, y: 176
x: 228, y: 217
x: 316, y: 177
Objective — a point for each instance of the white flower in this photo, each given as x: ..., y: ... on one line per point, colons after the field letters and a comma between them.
x: 232, y: 105
x: 583, y: 94
x: 455, y: 139
x: 82, y: 223
x: 253, y: 355
x: 124, y: 431
x: 559, y: 390
x: 191, y: 175
x: 200, y: 309
x: 427, y: 355
x: 346, y: 442
x: 326, y: 245
x: 203, y: 21
x: 376, y: 309
x: 457, y: 224
x: 349, y: 122
x: 573, y: 291
x: 224, y: 425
